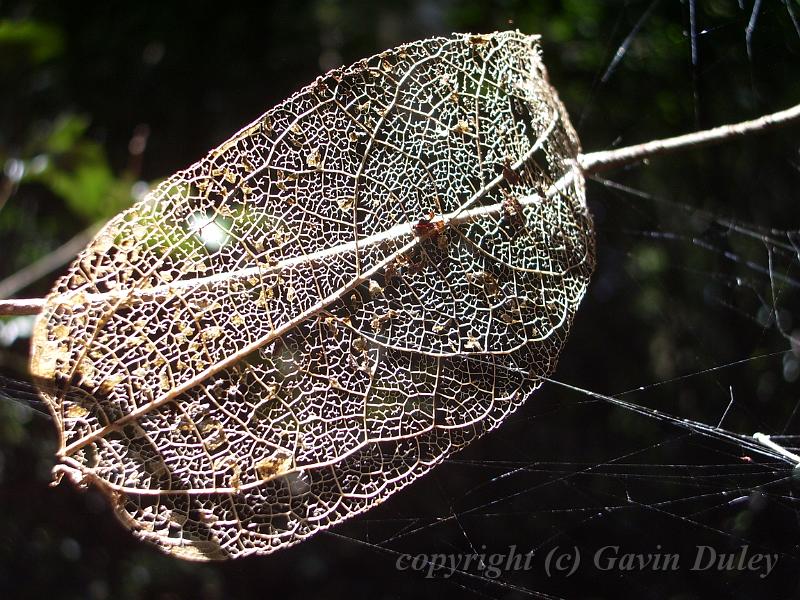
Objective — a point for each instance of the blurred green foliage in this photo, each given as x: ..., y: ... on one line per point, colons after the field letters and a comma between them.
x: 75, y: 168
x: 27, y: 43
x: 48, y: 145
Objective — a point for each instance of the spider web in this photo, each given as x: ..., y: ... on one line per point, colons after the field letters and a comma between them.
x: 573, y: 469
x: 678, y: 469
x: 650, y: 451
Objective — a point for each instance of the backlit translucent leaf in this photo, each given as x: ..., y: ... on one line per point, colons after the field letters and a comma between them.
x: 370, y: 276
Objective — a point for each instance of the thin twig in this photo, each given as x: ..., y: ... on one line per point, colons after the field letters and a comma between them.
x: 777, y: 448
x: 591, y: 163
x: 47, y: 264
x: 21, y: 306
x: 595, y: 162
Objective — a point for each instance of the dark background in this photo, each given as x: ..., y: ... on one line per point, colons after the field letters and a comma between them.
x: 95, y: 97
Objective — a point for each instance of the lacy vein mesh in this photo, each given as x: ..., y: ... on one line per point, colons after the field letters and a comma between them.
x: 361, y: 282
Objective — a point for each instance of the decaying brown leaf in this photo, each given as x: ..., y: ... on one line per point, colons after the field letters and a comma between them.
x: 264, y: 347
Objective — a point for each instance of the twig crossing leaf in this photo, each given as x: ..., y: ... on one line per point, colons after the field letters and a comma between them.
x: 367, y: 278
